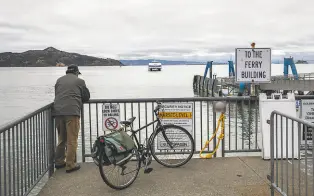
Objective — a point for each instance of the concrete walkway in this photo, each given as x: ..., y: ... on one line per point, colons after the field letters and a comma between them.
x: 218, y: 176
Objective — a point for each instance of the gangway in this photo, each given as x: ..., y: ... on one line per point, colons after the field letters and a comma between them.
x: 218, y: 85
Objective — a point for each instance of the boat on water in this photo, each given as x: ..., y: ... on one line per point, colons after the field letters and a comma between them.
x: 301, y: 62
x: 154, y: 65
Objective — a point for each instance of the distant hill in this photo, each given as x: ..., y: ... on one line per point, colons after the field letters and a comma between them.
x: 52, y: 57
x: 163, y: 62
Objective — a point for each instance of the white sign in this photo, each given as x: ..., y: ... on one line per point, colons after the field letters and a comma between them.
x: 253, y: 65
x: 180, y: 114
x: 284, y: 105
x: 111, y: 116
x: 307, y: 114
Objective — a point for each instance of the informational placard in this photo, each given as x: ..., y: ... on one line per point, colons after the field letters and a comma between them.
x: 180, y: 114
x: 307, y: 114
x: 253, y: 65
x: 111, y: 116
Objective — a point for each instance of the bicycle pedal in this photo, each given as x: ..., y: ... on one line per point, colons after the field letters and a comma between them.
x: 148, y: 170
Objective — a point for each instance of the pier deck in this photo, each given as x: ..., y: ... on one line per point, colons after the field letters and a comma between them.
x: 218, y: 176
x: 305, y: 82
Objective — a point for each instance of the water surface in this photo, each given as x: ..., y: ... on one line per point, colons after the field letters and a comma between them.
x: 26, y: 89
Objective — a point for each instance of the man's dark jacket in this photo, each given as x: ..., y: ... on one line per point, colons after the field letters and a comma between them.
x: 70, y: 93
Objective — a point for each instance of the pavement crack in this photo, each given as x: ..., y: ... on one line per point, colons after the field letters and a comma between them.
x: 265, y: 180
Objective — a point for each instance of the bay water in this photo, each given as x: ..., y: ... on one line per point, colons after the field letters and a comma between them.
x: 23, y: 90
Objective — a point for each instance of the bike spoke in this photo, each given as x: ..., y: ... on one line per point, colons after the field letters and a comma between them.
x: 176, y: 136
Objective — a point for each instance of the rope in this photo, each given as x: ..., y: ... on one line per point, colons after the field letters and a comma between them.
x: 221, y: 122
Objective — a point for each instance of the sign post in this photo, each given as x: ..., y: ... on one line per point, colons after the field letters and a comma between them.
x: 111, y: 116
x: 307, y: 114
x: 180, y: 114
x: 253, y: 65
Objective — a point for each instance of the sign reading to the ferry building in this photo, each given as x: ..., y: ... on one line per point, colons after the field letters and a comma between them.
x: 253, y: 65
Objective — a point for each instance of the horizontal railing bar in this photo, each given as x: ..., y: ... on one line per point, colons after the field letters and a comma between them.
x: 231, y: 98
x: 299, y: 120
x: 136, y: 100
x: 26, y: 117
x: 248, y: 150
x: 196, y: 152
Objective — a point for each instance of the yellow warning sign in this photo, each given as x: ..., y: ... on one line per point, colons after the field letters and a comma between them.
x: 175, y: 114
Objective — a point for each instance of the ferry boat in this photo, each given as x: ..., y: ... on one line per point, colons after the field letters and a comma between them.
x: 154, y: 65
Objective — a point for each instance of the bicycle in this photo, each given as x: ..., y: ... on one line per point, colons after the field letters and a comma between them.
x: 142, y: 152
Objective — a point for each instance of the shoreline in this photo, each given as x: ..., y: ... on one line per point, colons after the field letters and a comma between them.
x: 65, y: 66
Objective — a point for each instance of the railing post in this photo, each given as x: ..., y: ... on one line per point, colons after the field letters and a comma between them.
x: 82, y: 133
x: 272, y: 154
x: 223, y: 140
x: 51, y: 143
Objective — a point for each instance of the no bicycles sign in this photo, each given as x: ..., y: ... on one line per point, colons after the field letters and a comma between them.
x: 111, y: 123
x: 111, y: 116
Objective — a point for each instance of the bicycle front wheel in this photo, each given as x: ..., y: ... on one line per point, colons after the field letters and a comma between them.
x: 172, y: 146
x: 120, y: 177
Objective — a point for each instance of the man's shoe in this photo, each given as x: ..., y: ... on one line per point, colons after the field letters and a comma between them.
x: 60, y: 166
x: 77, y: 167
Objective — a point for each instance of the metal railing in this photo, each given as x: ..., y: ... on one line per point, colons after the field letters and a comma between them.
x: 291, y: 167
x: 27, y: 145
x: 241, y: 123
x: 26, y: 152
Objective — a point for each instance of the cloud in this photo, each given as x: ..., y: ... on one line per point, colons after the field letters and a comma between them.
x: 176, y: 29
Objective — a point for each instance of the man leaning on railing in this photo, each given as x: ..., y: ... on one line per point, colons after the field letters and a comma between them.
x: 70, y: 93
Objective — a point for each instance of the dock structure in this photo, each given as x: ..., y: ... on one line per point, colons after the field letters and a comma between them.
x: 303, y: 83
x: 220, y: 176
x: 27, y: 148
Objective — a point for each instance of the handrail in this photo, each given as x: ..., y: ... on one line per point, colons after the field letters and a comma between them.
x: 272, y: 114
x: 21, y: 119
x: 26, y: 148
x: 231, y: 98
x: 137, y: 100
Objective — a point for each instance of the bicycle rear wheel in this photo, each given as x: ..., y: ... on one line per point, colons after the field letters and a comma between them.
x: 120, y: 170
x: 180, y: 138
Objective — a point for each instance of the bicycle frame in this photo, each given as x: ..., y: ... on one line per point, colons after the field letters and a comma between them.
x: 149, y: 142
x: 149, y: 139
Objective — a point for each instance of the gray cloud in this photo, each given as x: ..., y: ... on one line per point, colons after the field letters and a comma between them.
x: 176, y: 29
x: 19, y: 27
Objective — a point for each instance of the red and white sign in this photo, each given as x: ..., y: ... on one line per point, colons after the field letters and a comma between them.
x: 111, y: 123
x: 111, y: 116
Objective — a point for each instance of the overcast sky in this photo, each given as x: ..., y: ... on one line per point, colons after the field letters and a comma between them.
x: 164, y: 29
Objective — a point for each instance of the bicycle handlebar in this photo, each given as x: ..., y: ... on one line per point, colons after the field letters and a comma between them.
x: 158, y: 106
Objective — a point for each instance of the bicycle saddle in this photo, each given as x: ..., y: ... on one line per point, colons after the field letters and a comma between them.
x: 127, y: 122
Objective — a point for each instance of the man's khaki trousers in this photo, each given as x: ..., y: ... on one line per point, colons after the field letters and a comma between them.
x: 68, y: 128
